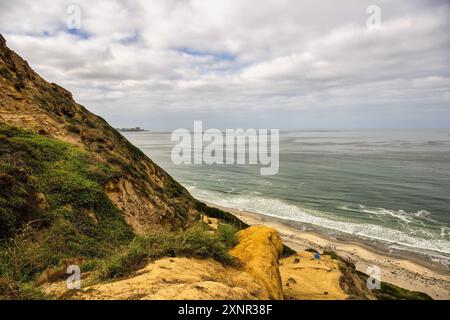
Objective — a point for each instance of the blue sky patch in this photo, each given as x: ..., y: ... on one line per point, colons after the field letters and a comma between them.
x: 134, y: 38
x: 78, y: 32
x: 223, y: 56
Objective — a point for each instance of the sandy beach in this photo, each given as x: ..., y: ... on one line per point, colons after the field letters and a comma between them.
x: 405, y: 273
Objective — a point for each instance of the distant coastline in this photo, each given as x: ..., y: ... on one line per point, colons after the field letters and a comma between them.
x: 135, y: 129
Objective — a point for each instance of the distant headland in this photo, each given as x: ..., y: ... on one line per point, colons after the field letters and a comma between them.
x: 136, y: 129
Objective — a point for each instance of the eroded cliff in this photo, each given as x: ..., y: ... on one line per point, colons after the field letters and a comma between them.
x: 146, y: 195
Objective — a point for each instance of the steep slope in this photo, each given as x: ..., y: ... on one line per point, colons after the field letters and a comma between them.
x: 148, y: 197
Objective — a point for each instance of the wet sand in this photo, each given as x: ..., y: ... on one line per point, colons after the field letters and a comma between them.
x: 405, y: 272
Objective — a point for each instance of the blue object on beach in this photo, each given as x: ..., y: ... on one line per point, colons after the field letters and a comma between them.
x: 317, y: 255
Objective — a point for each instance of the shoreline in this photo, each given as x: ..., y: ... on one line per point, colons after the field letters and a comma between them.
x: 402, y: 271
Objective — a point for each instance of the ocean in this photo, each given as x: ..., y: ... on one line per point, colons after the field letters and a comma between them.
x: 384, y: 187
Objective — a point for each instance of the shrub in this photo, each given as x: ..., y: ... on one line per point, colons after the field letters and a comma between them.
x: 222, y: 215
x: 124, y: 264
x: 227, y: 234
x: 13, y: 290
x: 74, y: 128
x: 331, y: 253
x: 4, y: 72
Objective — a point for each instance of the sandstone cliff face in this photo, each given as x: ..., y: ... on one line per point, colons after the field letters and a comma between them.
x: 146, y: 195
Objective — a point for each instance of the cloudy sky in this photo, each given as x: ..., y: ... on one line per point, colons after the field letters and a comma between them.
x: 243, y: 63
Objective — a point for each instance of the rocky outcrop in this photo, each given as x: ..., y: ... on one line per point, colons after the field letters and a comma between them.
x: 259, y: 249
x: 307, y: 278
x: 147, y: 196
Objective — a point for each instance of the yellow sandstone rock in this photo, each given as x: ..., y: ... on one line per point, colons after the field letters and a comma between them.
x: 306, y: 278
x: 259, y: 249
x: 174, y: 279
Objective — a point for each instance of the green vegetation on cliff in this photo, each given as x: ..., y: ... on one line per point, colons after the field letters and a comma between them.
x: 389, y: 291
x: 52, y: 205
x: 197, y: 241
x: 54, y: 211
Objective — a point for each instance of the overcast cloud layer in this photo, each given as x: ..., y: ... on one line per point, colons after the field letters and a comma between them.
x: 242, y: 63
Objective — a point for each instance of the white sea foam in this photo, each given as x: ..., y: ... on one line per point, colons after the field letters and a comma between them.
x: 280, y: 209
x: 407, y: 217
x: 445, y: 232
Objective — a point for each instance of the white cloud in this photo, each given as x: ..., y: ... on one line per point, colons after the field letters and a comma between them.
x: 161, y: 63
